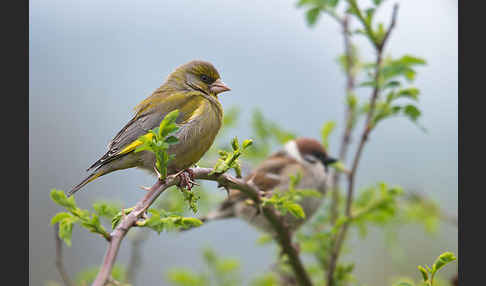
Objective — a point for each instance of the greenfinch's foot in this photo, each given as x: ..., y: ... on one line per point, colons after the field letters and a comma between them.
x: 187, y: 179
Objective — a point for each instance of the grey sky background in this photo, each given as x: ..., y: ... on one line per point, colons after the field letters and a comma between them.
x: 91, y: 62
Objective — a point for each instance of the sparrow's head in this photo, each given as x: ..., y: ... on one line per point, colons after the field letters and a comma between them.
x: 199, y: 76
x: 308, y: 151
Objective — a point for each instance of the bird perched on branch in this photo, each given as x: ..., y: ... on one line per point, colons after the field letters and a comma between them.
x: 304, y: 155
x: 193, y: 89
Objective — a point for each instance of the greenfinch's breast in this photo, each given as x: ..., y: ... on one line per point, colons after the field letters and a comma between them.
x: 196, y: 135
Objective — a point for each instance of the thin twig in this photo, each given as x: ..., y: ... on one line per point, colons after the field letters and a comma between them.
x: 346, y: 139
x: 224, y: 180
x: 390, y: 28
x: 364, y: 138
x: 59, y: 258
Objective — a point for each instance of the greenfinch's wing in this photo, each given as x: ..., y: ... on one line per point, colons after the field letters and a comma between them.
x: 149, y: 115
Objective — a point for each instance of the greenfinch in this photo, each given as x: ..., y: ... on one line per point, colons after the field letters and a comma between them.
x: 193, y: 89
x: 302, y: 155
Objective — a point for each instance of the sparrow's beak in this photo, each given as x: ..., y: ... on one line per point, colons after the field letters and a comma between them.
x: 329, y: 160
x: 218, y: 86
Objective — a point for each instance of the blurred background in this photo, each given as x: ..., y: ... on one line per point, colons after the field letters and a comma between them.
x: 92, y: 61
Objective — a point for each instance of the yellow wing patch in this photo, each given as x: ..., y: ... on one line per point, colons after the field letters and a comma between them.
x: 132, y: 146
x: 191, y: 109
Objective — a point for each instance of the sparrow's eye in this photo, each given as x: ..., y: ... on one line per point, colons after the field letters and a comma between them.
x: 206, y: 79
x: 311, y: 159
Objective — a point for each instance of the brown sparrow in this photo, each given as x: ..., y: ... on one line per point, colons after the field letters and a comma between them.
x: 304, y: 155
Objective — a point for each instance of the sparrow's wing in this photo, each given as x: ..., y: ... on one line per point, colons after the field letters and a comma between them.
x: 148, y: 116
x: 272, y: 173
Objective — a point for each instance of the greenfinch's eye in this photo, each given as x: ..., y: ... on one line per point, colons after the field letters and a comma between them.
x: 206, y: 79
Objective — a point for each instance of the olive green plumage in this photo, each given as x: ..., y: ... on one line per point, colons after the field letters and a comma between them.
x: 192, y: 89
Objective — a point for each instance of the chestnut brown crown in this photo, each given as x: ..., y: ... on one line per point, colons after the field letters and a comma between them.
x: 312, y: 150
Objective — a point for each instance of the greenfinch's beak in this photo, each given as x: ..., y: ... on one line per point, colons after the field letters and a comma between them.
x: 218, y: 86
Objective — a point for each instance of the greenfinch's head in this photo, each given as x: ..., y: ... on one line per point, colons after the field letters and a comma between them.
x: 200, y: 76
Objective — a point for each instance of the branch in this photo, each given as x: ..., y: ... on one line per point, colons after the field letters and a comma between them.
x: 126, y: 223
x: 364, y: 138
x: 223, y: 180
x: 283, y: 234
x: 390, y: 28
x: 59, y: 261
x: 346, y: 139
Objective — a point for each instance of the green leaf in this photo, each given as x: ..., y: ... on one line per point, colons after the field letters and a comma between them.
x: 412, y: 112
x: 116, y: 219
x: 227, y: 265
x: 368, y: 83
x: 326, y: 130
x: 171, y: 140
x: 312, y: 15
x: 181, y: 277
x: 59, y: 217
x: 304, y: 2
x: 333, y: 3
x: 308, y: 193
x: 264, y: 239
x: 339, y: 166
x: 392, y: 84
x: 60, y: 198
x: 269, y: 279
x: 105, y: 209
x: 235, y: 144
x: 247, y: 143
x: 442, y: 260
x: 66, y: 230
x: 189, y: 222
x: 411, y: 93
x: 352, y: 101
x: 369, y: 15
x: 167, y: 125
x: 423, y: 271
x: 296, y: 210
x: 411, y: 60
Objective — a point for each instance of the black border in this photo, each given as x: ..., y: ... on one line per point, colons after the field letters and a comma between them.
x: 15, y: 139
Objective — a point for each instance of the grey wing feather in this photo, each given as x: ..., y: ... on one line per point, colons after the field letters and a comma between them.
x: 136, y: 127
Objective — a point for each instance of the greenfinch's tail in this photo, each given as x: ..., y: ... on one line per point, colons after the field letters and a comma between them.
x: 97, y: 173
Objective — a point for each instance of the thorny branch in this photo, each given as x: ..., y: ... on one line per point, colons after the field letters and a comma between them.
x: 379, y: 46
x: 223, y: 180
x: 125, y: 224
